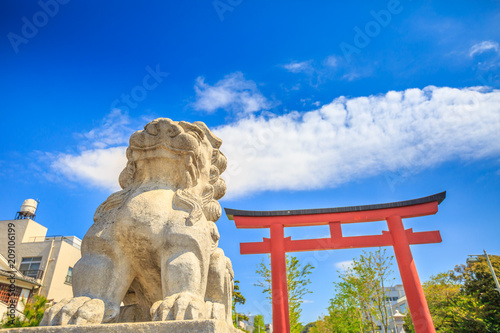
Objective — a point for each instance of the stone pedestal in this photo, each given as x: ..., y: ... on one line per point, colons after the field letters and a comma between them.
x: 180, y: 326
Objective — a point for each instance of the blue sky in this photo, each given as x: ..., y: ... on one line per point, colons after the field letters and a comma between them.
x: 320, y: 104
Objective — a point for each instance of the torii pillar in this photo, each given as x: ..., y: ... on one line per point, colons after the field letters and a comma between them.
x: 398, y: 237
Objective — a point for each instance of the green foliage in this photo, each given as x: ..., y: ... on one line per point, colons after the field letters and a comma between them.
x: 297, y: 281
x: 308, y: 327
x: 451, y: 309
x: 238, y: 298
x: 33, y: 314
x: 463, y: 300
x: 325, y: 325
x: 360, y: 299
x: 258, y: 324
x: 478, y: 282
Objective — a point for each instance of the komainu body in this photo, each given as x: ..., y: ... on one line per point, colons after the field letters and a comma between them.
x: 154, y: 244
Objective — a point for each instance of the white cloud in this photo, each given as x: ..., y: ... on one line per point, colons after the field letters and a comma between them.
x: 333, y: 67
x: 351, y: 76
x: 96, y: 167
x: 345, y: 140
x: 233, y: 93
x: 101, y: 155
x: 299, y: 67
x: 343, y: 265
x: 332, y: 61
x: 114, y: 130
x: 483, y: 47
x: 353, y: 138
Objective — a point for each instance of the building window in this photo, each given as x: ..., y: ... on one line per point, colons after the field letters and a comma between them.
x: 6, y: 294
x: 69, y: 277
x: 31, y: 267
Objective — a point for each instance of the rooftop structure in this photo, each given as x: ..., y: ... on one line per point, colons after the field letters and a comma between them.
x: 42, y: 264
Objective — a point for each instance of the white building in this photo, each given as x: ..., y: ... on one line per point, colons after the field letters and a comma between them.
x: 43, y: 264
x: 24, y: 288
x: 395, y: 301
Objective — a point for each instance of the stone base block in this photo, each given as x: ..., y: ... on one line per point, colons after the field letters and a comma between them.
x: 180, y: 326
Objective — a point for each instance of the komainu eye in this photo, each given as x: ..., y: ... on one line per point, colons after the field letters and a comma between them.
x: 151, y: 128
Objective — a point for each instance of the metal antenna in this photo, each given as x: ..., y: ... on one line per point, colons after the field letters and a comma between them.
x: 492, y: 272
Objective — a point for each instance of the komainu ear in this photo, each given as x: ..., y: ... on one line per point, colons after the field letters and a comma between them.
x: 214, y: 140
x: 127, y: 175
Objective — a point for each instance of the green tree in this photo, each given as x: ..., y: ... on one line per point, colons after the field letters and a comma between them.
x: 238, y: 298
x: 347, y: 311
x: 258, y: 324
x: 451, y: 309
x: 360, y: 300
x: 297, y: 281
x: 328, y: 324
x: 308, y: 327
x: 477, y: 281
x: 464, y: 300
x: 33, y: 314
x: 322, y: 325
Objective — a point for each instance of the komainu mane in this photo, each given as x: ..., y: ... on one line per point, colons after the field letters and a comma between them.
x: 154, y: 244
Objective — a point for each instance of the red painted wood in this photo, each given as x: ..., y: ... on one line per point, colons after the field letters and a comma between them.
x: 243, y: 222
x: 281, y: 322
x: 417, y: 303
x: 335, y: 230
x: 426, y: 237
x: 339, y: 243
x: 397, y: 237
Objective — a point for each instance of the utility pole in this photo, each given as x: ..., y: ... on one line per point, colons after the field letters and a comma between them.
x: 492, y: 272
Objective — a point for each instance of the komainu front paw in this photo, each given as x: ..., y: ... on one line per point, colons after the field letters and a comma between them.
x: 180, y: 306
x: 74, y: 311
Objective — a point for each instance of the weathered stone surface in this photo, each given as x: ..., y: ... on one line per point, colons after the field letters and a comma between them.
x: 74, y: 311
x: 154, y: 244
x: 180, y: 326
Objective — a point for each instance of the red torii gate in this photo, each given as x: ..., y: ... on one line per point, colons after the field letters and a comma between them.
x: 277, y: 245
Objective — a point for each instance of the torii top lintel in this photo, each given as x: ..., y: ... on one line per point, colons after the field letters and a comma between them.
x: 323, y: 216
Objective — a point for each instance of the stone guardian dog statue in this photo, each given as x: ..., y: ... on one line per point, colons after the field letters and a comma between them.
x: 154, y: 244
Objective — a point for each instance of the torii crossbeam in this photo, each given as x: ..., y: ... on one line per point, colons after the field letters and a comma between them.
x: 397, y: 237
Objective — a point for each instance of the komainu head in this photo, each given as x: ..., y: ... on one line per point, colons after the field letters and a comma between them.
x: 182, y: 156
